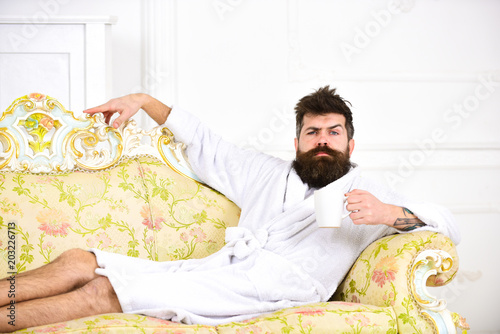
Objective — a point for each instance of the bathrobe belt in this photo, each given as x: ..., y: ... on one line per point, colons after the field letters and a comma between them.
x: 243, y: 241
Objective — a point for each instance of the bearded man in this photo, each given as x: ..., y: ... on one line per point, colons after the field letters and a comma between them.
x: 265, y: 264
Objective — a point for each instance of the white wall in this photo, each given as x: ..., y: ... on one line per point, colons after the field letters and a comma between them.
x: 423, y: 78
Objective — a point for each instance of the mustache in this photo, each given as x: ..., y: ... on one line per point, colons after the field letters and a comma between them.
x: 321, y: 149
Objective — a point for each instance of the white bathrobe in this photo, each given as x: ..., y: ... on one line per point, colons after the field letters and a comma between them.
x: 277, y: 257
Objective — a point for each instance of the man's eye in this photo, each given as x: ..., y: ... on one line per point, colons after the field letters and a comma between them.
x: 311, y: 132
x: 334, y: 133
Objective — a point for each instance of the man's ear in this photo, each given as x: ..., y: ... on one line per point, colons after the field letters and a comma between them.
x: 296, y: 142
x: 351, y: 147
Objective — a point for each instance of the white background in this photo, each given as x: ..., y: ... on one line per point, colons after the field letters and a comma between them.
x: 423, y: 78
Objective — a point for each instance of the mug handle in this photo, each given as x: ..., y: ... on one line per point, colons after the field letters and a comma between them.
x: 349, y: 212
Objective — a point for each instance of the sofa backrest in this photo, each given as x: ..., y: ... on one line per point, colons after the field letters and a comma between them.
x: 69, y: 182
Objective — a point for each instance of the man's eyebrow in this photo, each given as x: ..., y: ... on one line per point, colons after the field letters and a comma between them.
x: 329, y: 128
x: 336, y: 126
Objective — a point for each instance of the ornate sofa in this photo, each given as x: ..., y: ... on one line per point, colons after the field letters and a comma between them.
x: 70, y: 182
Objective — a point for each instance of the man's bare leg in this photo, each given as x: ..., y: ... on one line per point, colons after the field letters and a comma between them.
x: 72, y: 269
x: 95, y: 297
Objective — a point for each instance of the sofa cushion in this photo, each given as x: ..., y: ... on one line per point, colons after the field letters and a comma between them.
x: 336, y: 317
x: 333, y: 317
x: 120, y: 323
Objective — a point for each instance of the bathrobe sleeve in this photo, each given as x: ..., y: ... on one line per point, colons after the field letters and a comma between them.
x: 220, y: 164
x: 437, y: 218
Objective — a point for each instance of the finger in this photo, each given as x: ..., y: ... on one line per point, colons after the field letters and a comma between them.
x: 361, y: 217
x: 356, y: 217
x: 357, y: 192
x: 119, y: 120
x: 353, y: 207
x: 102, y: 108
x: 353, y: 199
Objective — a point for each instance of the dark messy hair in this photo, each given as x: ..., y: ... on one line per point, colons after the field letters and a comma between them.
x: 322, y: 102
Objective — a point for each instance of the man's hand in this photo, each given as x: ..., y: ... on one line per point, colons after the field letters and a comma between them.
x: 367, y: 209
x: 128, y: 105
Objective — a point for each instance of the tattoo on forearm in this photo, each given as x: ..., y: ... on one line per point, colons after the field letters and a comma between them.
x: 408, y: 224
x: 405, y: 210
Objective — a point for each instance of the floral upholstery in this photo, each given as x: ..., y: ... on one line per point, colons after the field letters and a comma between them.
x: 121, y: 323
x: 383, y: 267
x: 189, y: 218
x: 141, y: 202
x: 336, y: 317
x: 317, y: 318
x: 139, y: 208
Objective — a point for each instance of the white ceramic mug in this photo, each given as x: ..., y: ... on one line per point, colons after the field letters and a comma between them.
x: 329, y: 203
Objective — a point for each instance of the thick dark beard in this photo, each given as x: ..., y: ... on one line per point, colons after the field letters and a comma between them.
x: 317, y: 172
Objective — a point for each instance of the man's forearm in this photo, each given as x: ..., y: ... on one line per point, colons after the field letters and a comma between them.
x: 154, y: 108
x: 404, y: 220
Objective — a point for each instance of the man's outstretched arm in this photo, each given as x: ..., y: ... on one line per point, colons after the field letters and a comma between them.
x: 128, y: 105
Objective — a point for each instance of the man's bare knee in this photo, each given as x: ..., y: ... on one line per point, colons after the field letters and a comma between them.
x: 76, y: 254
x: 100, y: 294
x: 80, y: 262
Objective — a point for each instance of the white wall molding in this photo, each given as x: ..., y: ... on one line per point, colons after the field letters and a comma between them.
x: 413, y: 77
x: 474, y: 208
x: 16, y: 19
x: 159, y: 49
x: 439, y: 147
x: 389, y: 159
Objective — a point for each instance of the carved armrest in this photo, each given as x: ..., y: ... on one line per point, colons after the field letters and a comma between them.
x: 395, y: 271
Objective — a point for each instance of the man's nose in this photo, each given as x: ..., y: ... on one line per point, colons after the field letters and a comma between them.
x: 322, y: 140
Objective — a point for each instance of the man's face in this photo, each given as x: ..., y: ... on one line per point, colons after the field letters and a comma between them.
x: 323, y: 150
x: 324, y: 130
